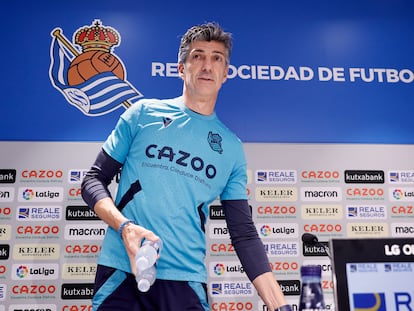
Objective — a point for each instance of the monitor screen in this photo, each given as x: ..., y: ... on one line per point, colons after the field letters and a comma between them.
x: 373, y: 274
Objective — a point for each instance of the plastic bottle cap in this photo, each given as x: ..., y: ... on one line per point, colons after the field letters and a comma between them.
x: 311, y: 270
x: 144, y: 285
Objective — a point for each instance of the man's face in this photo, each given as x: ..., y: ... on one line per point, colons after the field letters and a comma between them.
x: 205, y: 69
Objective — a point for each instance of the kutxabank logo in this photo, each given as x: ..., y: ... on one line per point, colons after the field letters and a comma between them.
x: 92, y: 78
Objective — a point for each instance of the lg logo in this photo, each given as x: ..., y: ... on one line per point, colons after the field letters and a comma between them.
x: 395, y: 250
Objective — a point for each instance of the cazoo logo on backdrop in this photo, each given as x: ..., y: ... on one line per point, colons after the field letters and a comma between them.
x: 320, y: 176
x: 87, y: 72
x: 44, y: 175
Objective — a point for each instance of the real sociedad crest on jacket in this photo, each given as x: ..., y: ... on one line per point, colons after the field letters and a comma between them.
x: 91, y: 78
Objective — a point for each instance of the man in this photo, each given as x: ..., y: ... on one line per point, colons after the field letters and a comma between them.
x: 176, y: 158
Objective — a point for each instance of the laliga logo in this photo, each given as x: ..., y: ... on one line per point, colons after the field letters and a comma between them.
x: 22, y: 271
x: 219, y: 269
x: 92, y: 79
x: 28, y: 194
x: 265, y: 230
x: 394, y: 250
x: 397, y: 194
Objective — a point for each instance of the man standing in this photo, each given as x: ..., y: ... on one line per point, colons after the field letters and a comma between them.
x: 176, y: 158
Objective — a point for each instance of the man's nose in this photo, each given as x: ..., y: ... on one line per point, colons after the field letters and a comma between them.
x: 207, y: 64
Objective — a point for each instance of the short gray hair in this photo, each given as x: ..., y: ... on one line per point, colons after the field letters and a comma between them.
x: 205, y: 32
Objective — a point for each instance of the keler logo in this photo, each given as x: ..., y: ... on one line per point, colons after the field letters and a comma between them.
x: 92, y: 79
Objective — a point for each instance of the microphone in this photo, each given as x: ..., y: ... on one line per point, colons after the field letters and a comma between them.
x: 312, y: 240
x: 309, y: 239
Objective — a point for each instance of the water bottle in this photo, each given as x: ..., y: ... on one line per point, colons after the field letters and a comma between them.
x: 311, y: 297
x: 145, y: 263
x: 147, y: 254
x: 146, y: 278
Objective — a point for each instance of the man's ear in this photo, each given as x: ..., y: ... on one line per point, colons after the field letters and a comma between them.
x: 226, y: 73
x: 181, y: 69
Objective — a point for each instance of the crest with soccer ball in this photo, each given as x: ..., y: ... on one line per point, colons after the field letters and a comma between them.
x: 88, y: 73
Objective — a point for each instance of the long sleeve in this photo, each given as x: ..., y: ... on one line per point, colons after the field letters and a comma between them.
x: 244, y: 237
x: 95, y: 184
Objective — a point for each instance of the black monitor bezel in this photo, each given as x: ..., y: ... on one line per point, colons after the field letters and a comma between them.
x: 360, y: 250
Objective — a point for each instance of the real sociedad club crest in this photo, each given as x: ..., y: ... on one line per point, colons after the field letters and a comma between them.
x: 93, y: 79
x: 214, y: 140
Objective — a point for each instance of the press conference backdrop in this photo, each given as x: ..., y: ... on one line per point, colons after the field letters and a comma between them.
x: 50, y: 240
x: 320, y: 93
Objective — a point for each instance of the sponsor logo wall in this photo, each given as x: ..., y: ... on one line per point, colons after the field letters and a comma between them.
x: 50, y: 241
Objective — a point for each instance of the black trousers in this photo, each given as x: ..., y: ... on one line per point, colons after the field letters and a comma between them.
x: 117, y: 290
